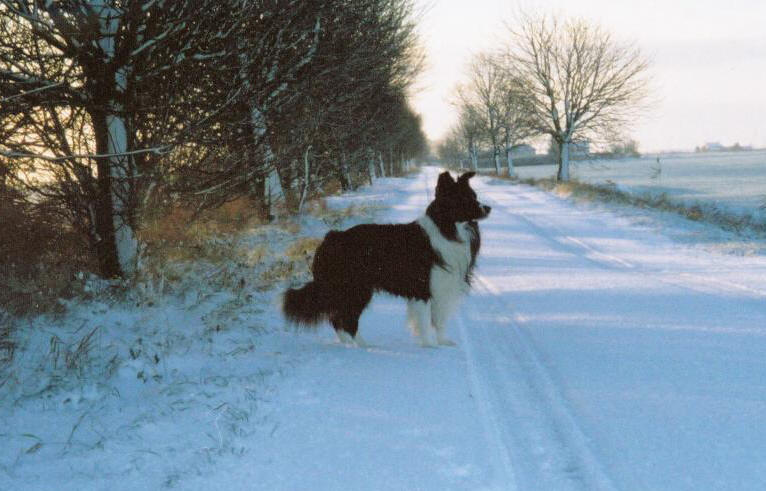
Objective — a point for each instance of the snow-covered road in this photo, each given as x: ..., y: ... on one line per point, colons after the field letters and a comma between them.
x: 644, y: 361
x: 593, y: 354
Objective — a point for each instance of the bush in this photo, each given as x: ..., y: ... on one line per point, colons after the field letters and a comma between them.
x: 40, y: 256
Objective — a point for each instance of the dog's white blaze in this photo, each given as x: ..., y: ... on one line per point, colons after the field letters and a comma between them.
x: 448, y: 283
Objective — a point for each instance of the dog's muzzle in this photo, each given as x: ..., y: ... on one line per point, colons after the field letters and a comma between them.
x: 486, y: 209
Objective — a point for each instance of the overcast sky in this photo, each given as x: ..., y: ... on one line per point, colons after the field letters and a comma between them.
x: 708, y: 61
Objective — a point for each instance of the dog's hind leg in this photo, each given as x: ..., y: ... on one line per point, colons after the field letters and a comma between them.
x: 346, y: 338
x: 344, y: 329
x: 346, y: 323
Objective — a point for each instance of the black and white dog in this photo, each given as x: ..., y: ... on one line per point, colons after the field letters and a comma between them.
x: 428, y: 262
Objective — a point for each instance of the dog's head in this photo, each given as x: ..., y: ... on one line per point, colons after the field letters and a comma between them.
x: 456, y: 201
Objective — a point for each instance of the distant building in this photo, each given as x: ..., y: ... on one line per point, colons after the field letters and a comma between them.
x: 522, y: 150
x: 717, y: 147
x: 740, y: 148
x: 713, y: 147
x: 579, y: 149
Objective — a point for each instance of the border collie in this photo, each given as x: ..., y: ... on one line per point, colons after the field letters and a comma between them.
x: 428, y: 262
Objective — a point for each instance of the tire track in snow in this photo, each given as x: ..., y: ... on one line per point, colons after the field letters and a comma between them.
x: 532, y: 435
x: 525, y: 415
x: 497, y: 438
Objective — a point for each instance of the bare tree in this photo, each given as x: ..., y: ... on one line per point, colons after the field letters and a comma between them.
x: 580, y: 82
x: 471, y: 127
x: 318, y: 76
x: 75, y: 78
x: 484, y: 91
x: 450, y: 149
x: 515, y: 112
x: 356, y: 91
x: 106, y: 103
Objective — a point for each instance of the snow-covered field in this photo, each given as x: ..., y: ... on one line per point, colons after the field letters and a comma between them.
x: 733, y: 182
x: 601, y: 349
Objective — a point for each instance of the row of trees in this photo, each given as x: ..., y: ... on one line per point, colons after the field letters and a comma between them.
x: 108, y: 107
x: 562, y: 78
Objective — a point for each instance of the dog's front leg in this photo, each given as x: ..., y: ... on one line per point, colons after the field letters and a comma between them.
x: 441, y: 307
x: 418, y: 313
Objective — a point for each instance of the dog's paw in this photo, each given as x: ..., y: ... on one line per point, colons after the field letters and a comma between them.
x: 359, y: 342
x: 446, y: 342
x: 427, y: 343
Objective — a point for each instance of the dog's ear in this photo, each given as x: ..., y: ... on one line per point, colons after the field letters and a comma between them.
x: 445, y: 184
x: 466, y: 176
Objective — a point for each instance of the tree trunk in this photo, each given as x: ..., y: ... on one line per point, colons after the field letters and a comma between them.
x: 474, y: 158
x: 116, y: 245
x: 259, y: 193
x: 495, y: 148
x: 371, y: 166
x: 306, y: 179
x: 123, y: 197
x: 345, y: 183
x: 273, y: 190
x: 260, y: 190
x: 508, y: 156
x: 106, y: 217
x: 381, y: 165
x: 371, y: 172
x: 563, y: 173
x: 285, y: 174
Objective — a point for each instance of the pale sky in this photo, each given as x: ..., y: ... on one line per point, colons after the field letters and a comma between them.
x: 708, y: 62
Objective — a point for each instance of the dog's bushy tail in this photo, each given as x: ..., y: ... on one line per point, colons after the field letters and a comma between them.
x: 306, y: 306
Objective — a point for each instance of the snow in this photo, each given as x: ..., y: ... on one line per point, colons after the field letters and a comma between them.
x: 601, y: 348
x: 732, y: 182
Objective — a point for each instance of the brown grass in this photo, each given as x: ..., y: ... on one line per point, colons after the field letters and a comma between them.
x: 39, y: 257
x: 180, y: 235
x: 297, y: 260
x: 302, y: 248
x: 335, y: 216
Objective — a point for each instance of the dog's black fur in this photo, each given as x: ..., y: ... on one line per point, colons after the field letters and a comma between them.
x: 351, y: 265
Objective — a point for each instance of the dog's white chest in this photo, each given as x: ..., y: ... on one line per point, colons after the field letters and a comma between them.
x: 456, y: 255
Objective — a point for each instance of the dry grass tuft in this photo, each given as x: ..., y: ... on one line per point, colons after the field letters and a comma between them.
x: 302, y: 248
x: 289, y: 226
x: 74, y: 357
x: 279, y: 271
x: 297, y: 260
x: 333, y: 217
x: 180, y: 235
x: 253, y: 256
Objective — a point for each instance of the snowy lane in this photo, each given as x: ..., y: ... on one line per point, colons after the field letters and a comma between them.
x: 592, y: 354
x: 653, y: 353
